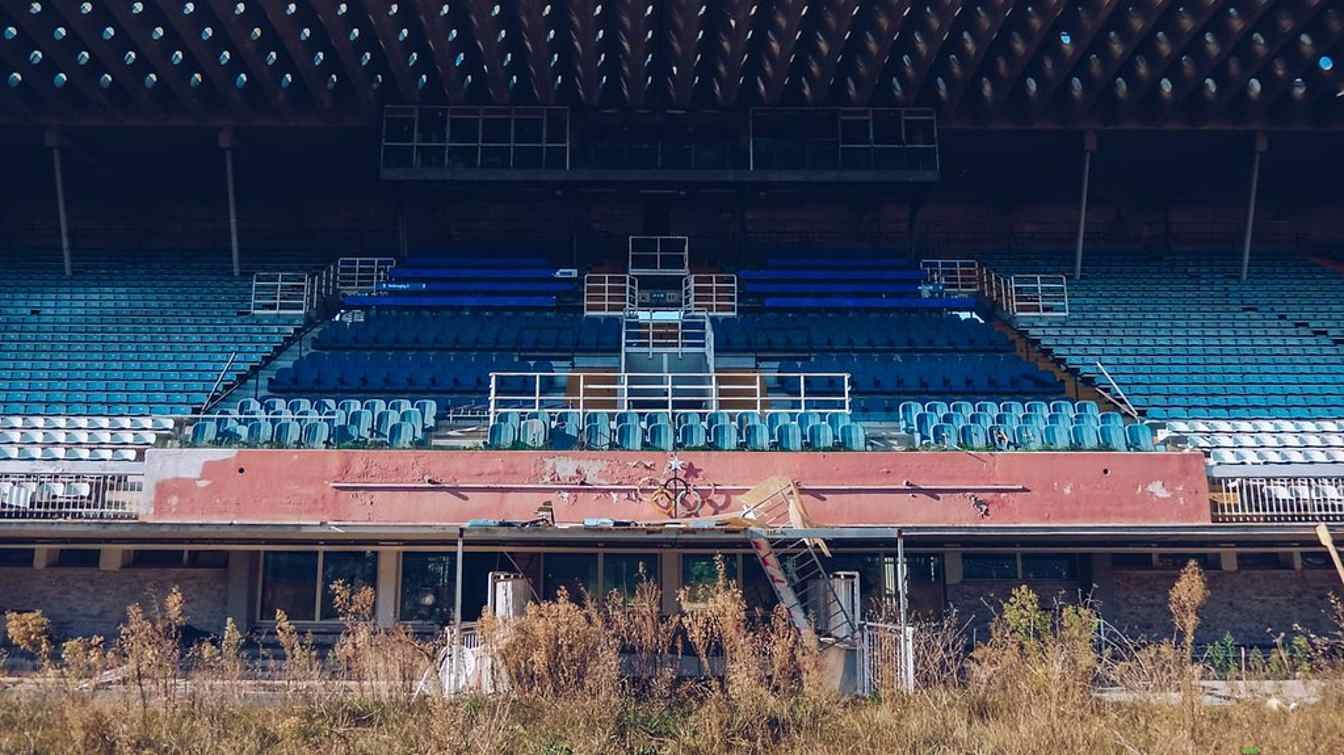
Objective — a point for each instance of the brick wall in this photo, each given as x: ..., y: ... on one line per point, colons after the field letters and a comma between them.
x: 1254, y: 606
x: 977, y: 602
x: 92, y: 601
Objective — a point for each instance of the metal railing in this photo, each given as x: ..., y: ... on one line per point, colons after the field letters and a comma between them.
x: 710, y: 294
x: 281, y: 293
x: 886, y: 658
x: 609, y: 294
x: 675, y: 393
x: 62, y: 495
x: 1278, y: 499
x: 360, y: 275
x: 997, y: 288
x: 1040, y: 295
x: 659, y: 255
x: 665, y: 331
x: 956, y: 276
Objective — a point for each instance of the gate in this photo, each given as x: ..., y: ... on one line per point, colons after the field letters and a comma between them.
x: 886, y: 659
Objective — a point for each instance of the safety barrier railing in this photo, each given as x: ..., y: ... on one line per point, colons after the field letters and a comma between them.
x: 659, y: 255
x: 665, y: 331
x: 69, y: 495
x: 1040, y: 295
x: 710, y: 294
x: 997, y: 288
x: 609, y: 294
x: 281, y: 293
x: 675, y: 393
x: 361, y: 275
x: 955, y: 275
x: 1278, y: 499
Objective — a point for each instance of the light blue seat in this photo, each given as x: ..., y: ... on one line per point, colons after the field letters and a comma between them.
x: 1001, y: 437
x: 1061, y: 407
x: 629, y: 437
x: 820, y: 437
x: 508, y: 418
x: 656, y: 418
x: 362, y: 421
x: 429, y: 409
x: 789, y: 437
x: 774, y: 420
x: 1086, y: 407
x: 1029, y: 438
x: 1060, y: 418
x: 402, y: 434
x: 756, y: 437
x: 1007, y: 419
x: 299, y: 405
x: 723, y: 437
x: 688, y: 418
x: 907, y: 412
x: 1056, y: 438
x: 944, y: 434
x: 349, y: 406
x: 1012, y: 407
x: 981, y: 419
x: 325, y: 406
x: 315, y: 434
x: 203, y: 433
x: 924, y: 422
x: 1111, y: 438
x: 375, y: 405
x: 937, y: 408
x: 853, y: 437
x: 258, y: 433
x: 691, y: 436
x: 347, y: 435
x: 988, y: 407
x: 974, y: 437
x: 383, y: 421
x: 502, y: 435
x: 1140, y: 437
x: 838, y: 420
x: 629, y: 418
x: 1112, y: 418
x: 597, y: 418
x: 542, y: 416
x: 955, y: 419
x: 397, y: 405
x: 1037, y: 407
x: 746, y: 419
x: 287, y: 434
x: 964, y: 408
x: 272, y: 405
x: 1085, y: 438
x: 532, y: 434
x: 250, y: 406
x: 597, y: 436
x: 660, y: 436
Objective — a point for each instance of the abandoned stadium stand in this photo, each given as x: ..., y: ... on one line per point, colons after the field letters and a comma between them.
x: 1184, y: 339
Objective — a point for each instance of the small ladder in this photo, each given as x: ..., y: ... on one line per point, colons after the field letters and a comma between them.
x: 803, y: 585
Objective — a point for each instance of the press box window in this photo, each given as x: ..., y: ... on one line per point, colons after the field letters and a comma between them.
x: 16, y: 557
x: 988, y: 566
x: 1047, y: 566
x: 77, y: 558
x: 290, y: 583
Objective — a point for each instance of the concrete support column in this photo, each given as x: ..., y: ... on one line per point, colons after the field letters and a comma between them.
x: 45, y: 557
x: 669, y: 565
x: 226, y: 143
x: 241, y: 572
x: 53, y: 141
x: 1261, y: 146
x: 114, y: 559
x: 952, y: 568
x: 385, y: 589
x: 1227, y: 560
x: 1089, y: 146
x: 1103, y: 582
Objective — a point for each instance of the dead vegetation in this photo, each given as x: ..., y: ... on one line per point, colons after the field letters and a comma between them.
x: 618, y: 675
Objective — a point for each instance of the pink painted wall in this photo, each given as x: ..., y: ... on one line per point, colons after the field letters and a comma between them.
x: 190, y: 485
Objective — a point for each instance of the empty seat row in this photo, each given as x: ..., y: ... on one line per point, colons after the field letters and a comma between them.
x: 361, y: 430
x: 1276, y: 456
x: 274, y: 406
x: 657, y: 433
x: 44, y: 422
x: 1077, y: 437
x: 79, y: 437
x: 60, y: 453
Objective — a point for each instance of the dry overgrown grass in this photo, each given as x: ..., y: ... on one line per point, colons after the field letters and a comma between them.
x: 611, y: 675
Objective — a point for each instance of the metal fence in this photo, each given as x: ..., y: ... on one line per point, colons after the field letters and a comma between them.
x: 710, y: 294
x: 1040, y: 295
x: 659, y: 255
x: 609, y: 294
x: 280, y: 293
x: 361, y: 275
x: 886, y: 659
x: 675, y: 393
x: 1278, y: 499
x: 956, y: 276
x: 63, y: 495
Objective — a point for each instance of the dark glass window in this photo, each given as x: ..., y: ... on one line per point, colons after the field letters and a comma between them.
x: 1049, y: 566
x: 1264, y: 561
x: 576, y: 572
x: 700, y: 572
x: 1132, y: 561
x: 16, y: 557
x: 988, y: 566
x: 83, y: 558
x: 622, y: 572
x: 357, y: 569
x: 289, y: 584
x: 1177, y: 561
x: 427, y: 585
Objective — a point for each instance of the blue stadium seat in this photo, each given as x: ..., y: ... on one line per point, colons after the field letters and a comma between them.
x: 597, y: 418
x: 1140, y: 437
x: 990, y: 408
x: 746, y: 419
x: 402, y: 435
x: 688, y: 418
x: 203, y: 433
x: 853, y: 438
x: 692, y: 436
x: 1056, y: 438
x: 1112, y: 438
x: 964, y: 408
x: 287, y: 434
x: 723, y: 437
x: 258, y: 433
x: 1037, y: 407
x: 597, y: 436
x: 944, y: 434
x: 656, y: 418
x: 347, y: 436
x: 660, y: 436
x: 1062, y: 407
x: 315, y: 435
x: 1112, y: 418
x: 974, y: 437
x: 716, y: 418
x: 629, y: 437
x: 789, y: 437
x: 1002, y: 437
x: 1029, y: 438
x: 1086, y: 407
x: 756, y: 437
x: 981, y: 419
x: 502, y: 435
x: 532, y: 434
x: 1085, y: 438
x: 820, y: 437
x: 774, y: 420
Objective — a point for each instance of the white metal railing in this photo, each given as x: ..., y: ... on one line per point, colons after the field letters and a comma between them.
x: 676, y: 393
x: 360, y: 275
x: 659, y: 255
x: 1040, y: 295
x: 1278, y: 499
x: 609, y: 293
x: 281, y: 293
x: 63, y: 495
x: 955, y: 276
x: 665, y: 331
x: 997, y: 288
x: 886, y: 658
x: 711, y: 294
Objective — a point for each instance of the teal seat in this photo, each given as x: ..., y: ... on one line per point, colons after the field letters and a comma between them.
x: 944, y: 434
x: 629, y: 437
x: 1056, y: 438
x: 853, y: 437
x: 691, y: 436
x: 402, y: 434
x: 259, y: 432
x: 820, y: 437
x: 660, y: 436
x: 597, y: 435
x: 1112, y: 438
x: 1085, y: 438
x: 723, y: 437
x: 688, y: 418
x: 532, y: 434
x: 203, y: 433
x: 756, y: 437
x: 974, y: 436
x: 315, y: 435
x: 502, y: 435
x: 1140, y: 437
x: 747, y: 419
x: 1112, y: 418
x: 789, y: 437
x: 838, y: 420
